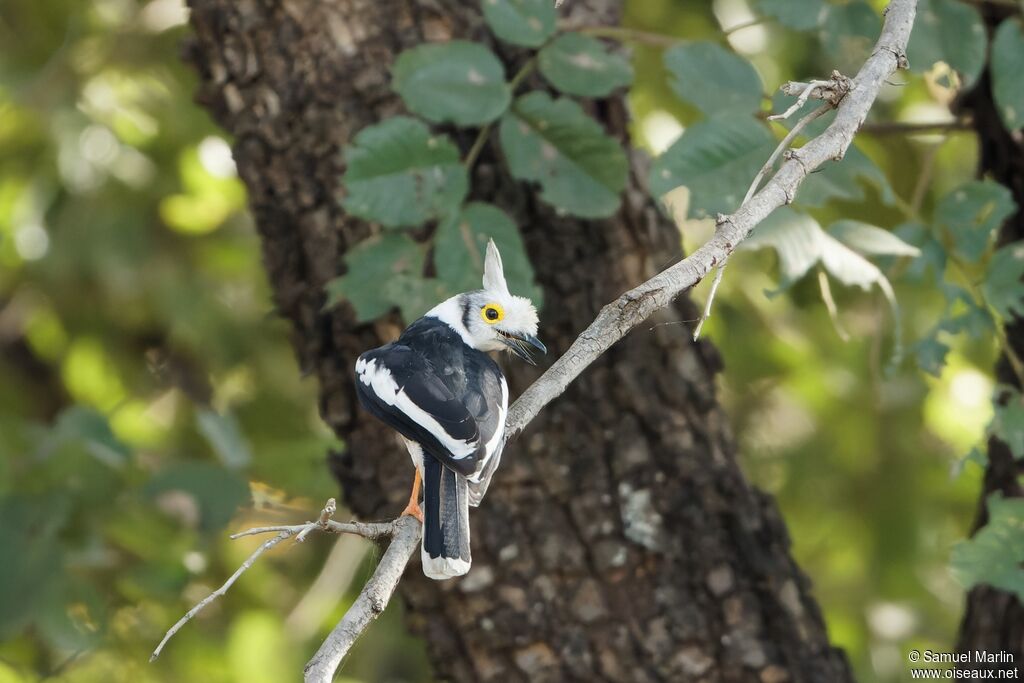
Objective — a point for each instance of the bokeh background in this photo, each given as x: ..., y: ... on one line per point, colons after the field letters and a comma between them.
x: 150, y: 403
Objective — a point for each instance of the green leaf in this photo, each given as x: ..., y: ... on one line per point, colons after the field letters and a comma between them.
x: 32, y: 556
x: 844, y: 180
x: 580, y: 169
x: 399, y: 174
x: 995, y: 553
x: 1002, y: 287
x: 714, y: 79
x: 78, y: 423
x: 801, y: 15
x: 580, y: 65
x: 848, y: 34
x: 716, y: 160
x: 461, y: 242
x: 224, y: 435
x: 458, y: 82
x: 385, y: 272
x: 948, y: 31
x: 794, y: 237
x: 521, y: 22
x: 217, y: 492
x: 1008, y: 422
x: 972, y: 213
x: 933, y: 255
x: 870, y: 240
x: 930, y: 354
x: 1007, y: 74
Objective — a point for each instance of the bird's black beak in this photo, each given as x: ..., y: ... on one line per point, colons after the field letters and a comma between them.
x: 520, y: 344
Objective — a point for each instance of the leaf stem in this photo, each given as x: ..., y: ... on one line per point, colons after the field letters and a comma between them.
x: 625, y: 34
x: 481, y: 137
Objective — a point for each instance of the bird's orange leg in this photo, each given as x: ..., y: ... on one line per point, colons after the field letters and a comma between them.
x: 413, y: 508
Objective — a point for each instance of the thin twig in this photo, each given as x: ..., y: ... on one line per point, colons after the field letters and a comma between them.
x: 830, y: 306
x: 371, y: 531
x: 768, y: 165
x: 631, y: 35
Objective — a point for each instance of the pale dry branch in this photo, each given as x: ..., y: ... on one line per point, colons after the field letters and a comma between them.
x: 372, y: 531
x: 852, y: 99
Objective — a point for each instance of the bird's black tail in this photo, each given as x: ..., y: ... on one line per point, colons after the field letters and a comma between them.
x: 445, y: 550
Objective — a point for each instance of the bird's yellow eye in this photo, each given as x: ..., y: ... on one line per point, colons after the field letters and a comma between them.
x: 492, y: 313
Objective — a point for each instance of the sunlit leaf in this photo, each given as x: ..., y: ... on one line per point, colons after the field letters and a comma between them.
x: 1007, y: 74
x: 580, y: 65
x: 1003, y: 288
x: 972, y: 213
x: 714, y: 79
x: 460, y: 244
x: 794, y: 236
x: 948, y: 31
x: 870, y: 240
x: 458, y: 82
x: 399, y: 174
x: 996, y: 552
x: 798, y: 14
x: 717, y: 160
x: 581, y: 170
x: 521, y: 22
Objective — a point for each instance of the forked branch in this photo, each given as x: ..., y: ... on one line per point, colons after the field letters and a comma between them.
x: 852, y: 100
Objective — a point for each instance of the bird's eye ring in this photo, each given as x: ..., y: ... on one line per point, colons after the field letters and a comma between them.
x: 492, y: 313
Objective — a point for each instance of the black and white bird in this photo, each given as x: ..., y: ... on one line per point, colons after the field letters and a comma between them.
x: 441, y: 391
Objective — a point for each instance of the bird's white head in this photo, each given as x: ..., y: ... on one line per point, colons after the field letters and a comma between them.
x: 492, y: 318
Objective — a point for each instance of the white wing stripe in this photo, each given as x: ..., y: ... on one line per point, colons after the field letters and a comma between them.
x: 379, y: 379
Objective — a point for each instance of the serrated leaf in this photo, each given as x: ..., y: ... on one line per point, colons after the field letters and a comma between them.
x: 933, y: 255
x: 794, y: 237
x: 399, y: 174
x: 217, y: 492
x: 972, y: 213
x: 995, y: 553
x: 848, y: 34
x: 461, y: 242
x: 801, y: 15
x: 717, y: 160
x: 870, y: 240
x: 930, y: 354
x: 1007, y: 74
x: 1002, y: 287
x: 459, y: 82
x: 1008, y: 422
x: 581, y: 170
x: 713, y: 79
x: 384, y: 272
x: 224, y: 435
x: 844, y: 180
x: 948, y: 31
x: 580, y: 65
x: 521, y: 22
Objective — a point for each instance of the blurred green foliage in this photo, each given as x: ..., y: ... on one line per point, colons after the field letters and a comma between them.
x: 149, y: 400
x: 150, y: 403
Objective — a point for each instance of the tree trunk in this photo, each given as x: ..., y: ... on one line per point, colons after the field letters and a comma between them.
x: 620, y: 541
x: 994, y: 619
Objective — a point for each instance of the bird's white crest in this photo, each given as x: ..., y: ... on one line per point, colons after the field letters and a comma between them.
x: 494, y: 272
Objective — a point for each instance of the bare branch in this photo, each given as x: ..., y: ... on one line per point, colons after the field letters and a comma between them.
x: 299, y: 531
x: 629, y: 310
x: 368, y: 606
x: 618, y: 318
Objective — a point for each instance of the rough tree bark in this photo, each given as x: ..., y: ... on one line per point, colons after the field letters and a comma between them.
x: 994, y: 619
x: 620, y: 540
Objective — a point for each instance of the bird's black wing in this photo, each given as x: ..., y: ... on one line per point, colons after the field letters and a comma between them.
x: 399, y: 387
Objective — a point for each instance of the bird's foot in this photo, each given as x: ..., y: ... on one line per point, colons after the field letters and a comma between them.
x: 413, y: 510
